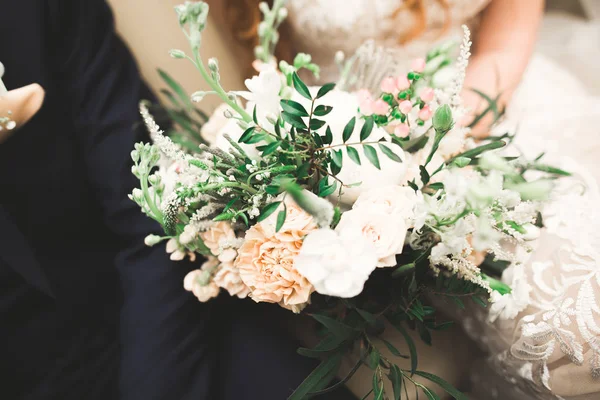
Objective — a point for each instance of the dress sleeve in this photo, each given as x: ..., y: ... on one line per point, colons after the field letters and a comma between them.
x: 165, y: 332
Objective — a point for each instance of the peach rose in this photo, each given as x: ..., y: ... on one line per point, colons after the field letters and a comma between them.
x: 266, y: 260
x: 228, y: 277
x: 217, y: 236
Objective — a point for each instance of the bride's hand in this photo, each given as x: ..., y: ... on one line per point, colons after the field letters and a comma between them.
x: 20, y: 105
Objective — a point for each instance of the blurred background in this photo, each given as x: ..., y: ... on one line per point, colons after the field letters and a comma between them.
x: 150, y: 29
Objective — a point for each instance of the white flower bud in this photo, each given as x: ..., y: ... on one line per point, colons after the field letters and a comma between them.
x: 213, y: 64
x: 339, y: 57
x: 228, y: 114
x: 152, y: 240
x: 532, y: 232
x: 282, y: 14
x: 262, y: 28
x: 263, y: 7
x: 198, y: 96
x: 135, y: 155
x: 176, y: 53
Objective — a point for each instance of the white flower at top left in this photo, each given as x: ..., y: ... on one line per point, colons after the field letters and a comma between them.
x: 264, y: 93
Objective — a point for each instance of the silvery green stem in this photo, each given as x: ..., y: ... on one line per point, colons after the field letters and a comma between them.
x: 267, y: 32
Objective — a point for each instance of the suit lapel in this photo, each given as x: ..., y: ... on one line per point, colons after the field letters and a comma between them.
x: 17, y: 253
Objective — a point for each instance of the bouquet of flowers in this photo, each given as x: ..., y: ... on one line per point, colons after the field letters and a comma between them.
x: 350, y: 205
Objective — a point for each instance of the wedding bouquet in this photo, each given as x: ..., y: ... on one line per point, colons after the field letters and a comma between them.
x: 348, y: 202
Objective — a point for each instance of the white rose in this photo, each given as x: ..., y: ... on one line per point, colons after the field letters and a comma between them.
x: 215, y: 124
x: 232, y: 129
x: 345, y: 106
x: 336, y: 264
x: 392, y: 199
x: 387, y: 232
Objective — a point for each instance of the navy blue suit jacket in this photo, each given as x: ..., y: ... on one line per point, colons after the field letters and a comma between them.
x: 82, y: 300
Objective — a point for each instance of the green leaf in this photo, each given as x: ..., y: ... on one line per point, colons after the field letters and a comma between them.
x: 403, y: 270
x: 393, y: 349
x: 478, y: 300
x: 336, y: 158
x: 312, y: 381
x: 417, y: 145
x: 294, y: 108
x: 374, y: 358
x: 397, y: 323
x: 389, y: 153
x: 353, y: 154
x: 478, y: 150
x: 326, y: 88
x: 259, y: 137
x: 431, y: 395
x: 270, y: 148
x: 280, y: 219
x: 336, y: 327
x: 461, y: 162
x: 254, y: 118
x: 367, y: 316
x: 301, y: 87
x: 549, y: 169
x: 439, y: 135
x: 268, y: 210
x: 348, y: 129
x: 316, y: 124
x: 451, y: 390
x: 328, y: 345
x: 424, y: 175
x: 321, y: 110
x: 371, y: 154
x: 366, y: 129
x: 396, y: 378
x: 176, y: 87
x: 246, y: 135
x: 328, y: 136
x: 377, y: 388
x: 296, y: 122
x: 436, y: 185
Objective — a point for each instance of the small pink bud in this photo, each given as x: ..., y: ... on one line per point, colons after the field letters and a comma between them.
x: 363, y: 95
x: 425, y: 113
x: 427, y: 94
x: 388, y: 85
x: 402, y: 130
x: 402, y: 83
x: 366, y: 107
x: 405, y: 106
x: 418, y: 65
x: 380, y: 107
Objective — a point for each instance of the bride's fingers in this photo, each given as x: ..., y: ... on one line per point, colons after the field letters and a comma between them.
x: 21, y: 104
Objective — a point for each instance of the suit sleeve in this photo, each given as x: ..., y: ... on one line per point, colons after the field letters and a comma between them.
x: 165, y: 332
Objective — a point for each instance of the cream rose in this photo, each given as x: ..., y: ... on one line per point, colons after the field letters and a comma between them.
x: 266, y: 260
x: 337, y: 263
x: 228, y: 278
x: 390, y: 200
x: 386, y: 232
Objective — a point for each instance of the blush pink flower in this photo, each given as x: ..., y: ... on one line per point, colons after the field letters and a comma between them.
x: 402, y: 130
x: 425, y: 113
x: 402, y: 83
x: 365, y: 102
x: 388, y: 85
x: 266, y: 260
x: 228, y: 278
x: 418, y: 65
x: 405, y: 106
x: 427, y: 94
x: 380, y: 107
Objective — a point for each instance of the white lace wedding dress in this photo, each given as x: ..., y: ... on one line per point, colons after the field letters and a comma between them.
x: 544, y: 341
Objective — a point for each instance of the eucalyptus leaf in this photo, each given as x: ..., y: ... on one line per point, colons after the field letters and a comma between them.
x: 396, y: 378
x: 353, y: 154
x: 316, y: 124
x: 321, y: 110
x: 451, y: 390
x: 246, y: 135
x: 326, y: 88
x: 366, y: 129
x: 371, y: 154
x: 348, y: 129
x: 397, y: 323
x: 301, y: 87
x: 336, y: 327
x: 294, y: 108
x: 336, y: 157
x: 389, y: 153
x: 268, y: 210
x: 328, y: 136
x: 281, y: 219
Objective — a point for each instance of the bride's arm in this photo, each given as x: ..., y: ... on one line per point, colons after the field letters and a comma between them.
x: 502, y: 48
